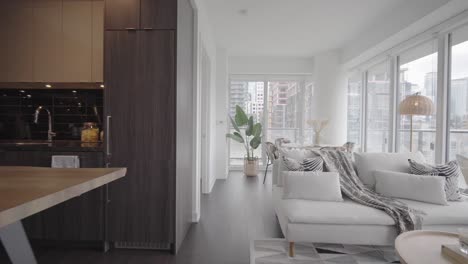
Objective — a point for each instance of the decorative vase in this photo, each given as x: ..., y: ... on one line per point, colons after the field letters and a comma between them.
x: 317, y: 139
x: 251, y: 167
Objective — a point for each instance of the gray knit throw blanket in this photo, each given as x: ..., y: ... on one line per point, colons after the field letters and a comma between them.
x: 406, y: 219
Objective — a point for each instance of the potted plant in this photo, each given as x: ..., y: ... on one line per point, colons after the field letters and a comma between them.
x: 250, y: 137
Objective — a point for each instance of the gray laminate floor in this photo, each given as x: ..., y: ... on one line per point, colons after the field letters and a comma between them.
x: 238, y: 210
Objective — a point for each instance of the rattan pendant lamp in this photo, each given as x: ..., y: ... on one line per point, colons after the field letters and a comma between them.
x: 416, y: 104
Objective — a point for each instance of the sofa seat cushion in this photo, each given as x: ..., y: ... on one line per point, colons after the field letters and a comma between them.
x: 456, y: 213
x: 346, y: 213
x: 351, y: 213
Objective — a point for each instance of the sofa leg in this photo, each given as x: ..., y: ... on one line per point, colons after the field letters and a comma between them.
x: 292, y: 251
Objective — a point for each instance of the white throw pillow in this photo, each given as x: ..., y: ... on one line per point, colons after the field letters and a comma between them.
x: 310, y: 185
x: 367, y: 163
x: 410, y: 186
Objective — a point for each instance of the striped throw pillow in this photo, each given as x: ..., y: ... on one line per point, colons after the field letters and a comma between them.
x: 308, y: 164
x: 451, y: 171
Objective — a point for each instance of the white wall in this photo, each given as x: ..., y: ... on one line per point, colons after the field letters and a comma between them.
x: 203, y: 39
x: 270, y: 65
x: 184, y: 137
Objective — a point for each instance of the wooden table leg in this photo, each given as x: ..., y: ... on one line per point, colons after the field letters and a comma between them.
x: 16, y: 244
x: 292, y: 251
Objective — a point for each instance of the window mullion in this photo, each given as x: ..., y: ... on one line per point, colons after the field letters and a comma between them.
x: 442, y: 98
x: 364, y: 111
x: 393, y: 103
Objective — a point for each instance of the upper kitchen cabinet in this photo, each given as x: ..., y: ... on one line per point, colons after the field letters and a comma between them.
x: 77, y: 40
x: 98, y: 41
x: 141, y: 14
x: 48, y: 44
x: 158, y: 14
x: 16, y: 48
x: 122, y: 14
x: 52, y: 41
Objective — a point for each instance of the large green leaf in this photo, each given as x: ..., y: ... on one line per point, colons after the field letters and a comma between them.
x: 236, y: 136
x: 255, y: 142
x: 257, y: 130
x: 250, y: 127
x: 241, y: 118
x: 234, y: 124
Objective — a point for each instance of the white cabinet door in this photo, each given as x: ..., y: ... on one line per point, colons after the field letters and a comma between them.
x: 98, y: 41
x: 77, y: 40
x: 48, y: 41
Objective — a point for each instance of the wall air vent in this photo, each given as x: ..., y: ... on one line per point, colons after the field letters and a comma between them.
x: 142, y: 245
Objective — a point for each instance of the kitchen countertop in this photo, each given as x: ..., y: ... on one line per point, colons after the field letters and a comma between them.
x: 56, y: 145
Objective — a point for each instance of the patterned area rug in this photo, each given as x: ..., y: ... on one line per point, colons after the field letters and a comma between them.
x: 274, y: 251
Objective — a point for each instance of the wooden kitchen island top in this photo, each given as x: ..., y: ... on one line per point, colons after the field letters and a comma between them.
x: 25, y: 191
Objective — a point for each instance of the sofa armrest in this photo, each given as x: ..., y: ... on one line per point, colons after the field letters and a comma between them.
x: 465, y: 173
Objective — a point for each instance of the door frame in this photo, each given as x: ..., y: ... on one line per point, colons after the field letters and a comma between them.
x: 205, y: 122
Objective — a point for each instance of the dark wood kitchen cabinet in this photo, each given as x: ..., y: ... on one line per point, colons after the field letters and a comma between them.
x: 78, y: 219
x: 140, y: 100
x: 140, y: 14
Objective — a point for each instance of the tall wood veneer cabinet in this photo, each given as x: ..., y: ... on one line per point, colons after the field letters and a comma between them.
x: 141, y: 14
x: 141, y: 108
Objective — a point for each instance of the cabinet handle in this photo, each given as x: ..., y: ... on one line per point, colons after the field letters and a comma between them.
x: 147, y: 28
x: 108, y: 135
x: 130, y: 28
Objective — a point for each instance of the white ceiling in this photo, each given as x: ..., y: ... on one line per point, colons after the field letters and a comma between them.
x: 296, y: 27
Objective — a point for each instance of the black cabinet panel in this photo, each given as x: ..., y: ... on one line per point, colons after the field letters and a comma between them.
x: 140, y: 97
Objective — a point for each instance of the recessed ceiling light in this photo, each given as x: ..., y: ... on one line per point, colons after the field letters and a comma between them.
x: 74, y: 91
x: 102, y: 85
x: 244, y: 11
x: 48, y: 86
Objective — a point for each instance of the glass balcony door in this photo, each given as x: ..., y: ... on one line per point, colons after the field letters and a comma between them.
x: 378, y: 112
x: 418, y: 74
x: 458, y: 95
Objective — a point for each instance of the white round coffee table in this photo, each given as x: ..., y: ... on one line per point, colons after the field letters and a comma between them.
x: 424, y: 246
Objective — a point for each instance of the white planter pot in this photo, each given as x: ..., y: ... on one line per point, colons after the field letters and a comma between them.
x: 251, y: 167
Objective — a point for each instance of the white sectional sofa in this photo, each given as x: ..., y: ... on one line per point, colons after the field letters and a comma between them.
x: 348, y: 222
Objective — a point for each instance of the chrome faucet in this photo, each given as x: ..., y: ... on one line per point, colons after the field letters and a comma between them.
x: 50, y: 133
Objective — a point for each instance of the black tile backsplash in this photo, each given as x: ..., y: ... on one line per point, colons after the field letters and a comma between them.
x: 69, y: 109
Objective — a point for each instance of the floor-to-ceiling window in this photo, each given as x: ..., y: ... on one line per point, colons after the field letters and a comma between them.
x: 281, y: 103
x: 434, y: 66
x: 458, y: 96
x: 283, y: 120
x: 378, y: 108
x: 418, y: 74
x: 355, y: 108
